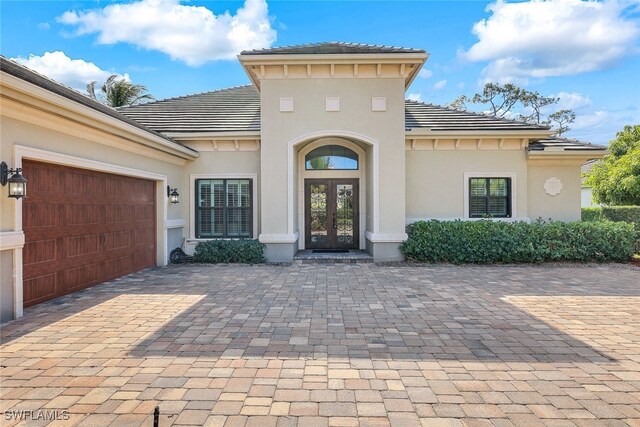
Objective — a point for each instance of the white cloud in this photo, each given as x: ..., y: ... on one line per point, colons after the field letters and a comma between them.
x: 425, y: 74
x: 193, y: 34
x: 44, y: 26
x: 75, y: 73
x: 591, y: 120
x: 537, y: 39
x: 440, y: 84
x: 600, y: 126
x: 415, y: 97
x: 571, y: 101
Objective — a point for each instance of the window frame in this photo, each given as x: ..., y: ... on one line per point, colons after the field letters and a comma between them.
x: 487, y: 199
x: 511, y: 200
x: 194, y: 208
x: 304, y: 159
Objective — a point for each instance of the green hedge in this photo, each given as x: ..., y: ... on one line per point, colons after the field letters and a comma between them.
x: 591, y: 214
x: 244, y: 251
x: 630, y: 214
x: 487, y: 242
x: 613, y: 213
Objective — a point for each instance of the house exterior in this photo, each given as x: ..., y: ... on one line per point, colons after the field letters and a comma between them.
x: 321, y: 151
x: 586, y: 192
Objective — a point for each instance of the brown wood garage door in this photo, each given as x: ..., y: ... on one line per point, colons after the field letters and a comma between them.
x: 83, y: 228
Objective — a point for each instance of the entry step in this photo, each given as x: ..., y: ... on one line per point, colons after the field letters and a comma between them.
x: 324, y: 256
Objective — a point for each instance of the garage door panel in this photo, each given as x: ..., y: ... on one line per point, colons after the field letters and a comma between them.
x: 84, y: 228
x: 46, y: 182
x: 39, y: 251
x: 81, y: 277
x: 143, y: 212
x: 144, y: 236
x: 82, y: 183
x: 39, y: 215
x: 118, y: 187
x: 83, y: 214
x: 143, y: 259
x: 83, y: 245
x: 116, y: 267
x: 118, y: 240
x: 40, y: 288
x: 118, y: 213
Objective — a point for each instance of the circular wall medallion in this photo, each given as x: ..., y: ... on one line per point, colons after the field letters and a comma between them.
x: 553, y: 186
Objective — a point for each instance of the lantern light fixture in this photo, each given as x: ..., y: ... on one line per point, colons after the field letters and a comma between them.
x: 173, y: 195
x: 17, y: 183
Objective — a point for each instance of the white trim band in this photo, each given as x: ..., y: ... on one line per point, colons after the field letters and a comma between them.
x: 279, y: 238
x: 170, y: 224
x: 412, y: 220
x: 11, y: 240
x: 385, y: 238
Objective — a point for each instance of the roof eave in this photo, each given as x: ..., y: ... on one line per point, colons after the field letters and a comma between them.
x: 154, y: 140
x: 335, y: 57
x: 248, y: 60
x: 564, y: 157
x: 191, y: 136
x: 502, y: 133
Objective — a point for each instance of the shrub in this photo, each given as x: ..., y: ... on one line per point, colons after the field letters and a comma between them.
x: 244, y: 251
x: 630, y: 214
x: 487, y: 242
x: 591, y: 214
x: 612, y: 213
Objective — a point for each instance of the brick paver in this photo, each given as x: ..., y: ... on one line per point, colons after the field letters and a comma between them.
x: 334, y: 345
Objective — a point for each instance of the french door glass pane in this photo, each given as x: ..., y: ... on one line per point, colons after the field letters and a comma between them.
x: 344, y: 214
x: 318, y: 210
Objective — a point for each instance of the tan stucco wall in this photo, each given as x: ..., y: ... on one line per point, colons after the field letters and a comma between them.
x: 14, y: 132
x: 223, y: 164
x: 562, y: 207
x: 355, y: 115
x: 435, y: 180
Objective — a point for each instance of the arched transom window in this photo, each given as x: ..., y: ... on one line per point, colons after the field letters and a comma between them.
x: 331, y: 157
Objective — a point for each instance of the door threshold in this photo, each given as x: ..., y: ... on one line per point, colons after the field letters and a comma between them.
x: 330, y: 256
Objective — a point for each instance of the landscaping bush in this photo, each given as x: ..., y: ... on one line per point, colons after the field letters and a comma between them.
x: 244, y: 251
x: 612, y: 213
x: 591, y: 214
x: 487, y: 242
x: 630, y: 214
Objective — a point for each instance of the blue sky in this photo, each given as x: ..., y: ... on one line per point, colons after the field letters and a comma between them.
x: 587, y: 53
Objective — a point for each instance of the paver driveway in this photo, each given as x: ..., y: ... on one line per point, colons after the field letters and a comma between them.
x: 335, y: 345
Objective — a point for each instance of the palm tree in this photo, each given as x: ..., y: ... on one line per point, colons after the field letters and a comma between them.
x: 118, y: 92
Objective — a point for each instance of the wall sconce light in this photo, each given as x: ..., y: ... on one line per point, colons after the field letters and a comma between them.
x: 172, y: 194
x: 17, y: 183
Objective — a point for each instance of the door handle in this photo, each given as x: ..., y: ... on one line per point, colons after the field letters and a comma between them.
x: 334, y: 221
